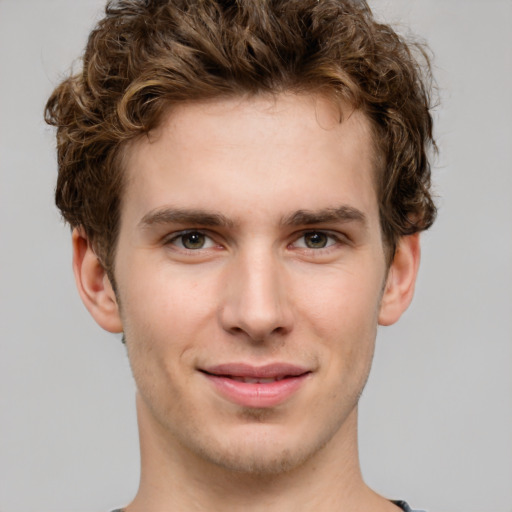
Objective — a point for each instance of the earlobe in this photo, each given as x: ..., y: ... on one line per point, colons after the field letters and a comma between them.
x: 94, y: 285
x: 401, y: 279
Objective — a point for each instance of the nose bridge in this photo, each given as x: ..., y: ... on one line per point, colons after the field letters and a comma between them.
x: 256, y: 301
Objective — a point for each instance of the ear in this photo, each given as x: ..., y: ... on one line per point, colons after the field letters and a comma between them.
x: 401, y: 279
x: 94, y: 285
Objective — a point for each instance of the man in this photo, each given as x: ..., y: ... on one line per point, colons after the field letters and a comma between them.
x: 246, y: 182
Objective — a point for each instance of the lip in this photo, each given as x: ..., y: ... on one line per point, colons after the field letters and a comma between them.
x: 281, y: 381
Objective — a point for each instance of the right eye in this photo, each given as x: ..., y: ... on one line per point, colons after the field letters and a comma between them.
x: 192, y: 241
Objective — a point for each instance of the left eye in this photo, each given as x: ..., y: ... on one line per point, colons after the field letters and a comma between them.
x: 315, y: 240
x: 193, y: 240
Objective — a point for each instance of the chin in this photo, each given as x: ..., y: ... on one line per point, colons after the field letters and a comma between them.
x: 259, y: 462
x: 262, y: 451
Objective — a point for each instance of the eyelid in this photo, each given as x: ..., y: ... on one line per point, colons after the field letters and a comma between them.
x: 171, y: 238
x: 337, y: 237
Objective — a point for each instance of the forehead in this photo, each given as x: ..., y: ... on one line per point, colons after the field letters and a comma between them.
x: 284, y: 152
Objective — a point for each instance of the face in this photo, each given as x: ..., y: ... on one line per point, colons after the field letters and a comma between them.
x: 250, y: 272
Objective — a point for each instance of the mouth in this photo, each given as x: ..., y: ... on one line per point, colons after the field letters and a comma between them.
x: 249, y: 380
x: 251, y: 386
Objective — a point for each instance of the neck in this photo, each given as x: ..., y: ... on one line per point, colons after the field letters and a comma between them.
x: 174, y: 478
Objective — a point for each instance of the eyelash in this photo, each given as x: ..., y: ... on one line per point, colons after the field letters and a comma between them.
x: 329, y: 237
x: 336, y: 240
x: 180, y: 236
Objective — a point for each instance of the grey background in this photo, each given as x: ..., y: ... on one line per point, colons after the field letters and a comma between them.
x: 436, y: 417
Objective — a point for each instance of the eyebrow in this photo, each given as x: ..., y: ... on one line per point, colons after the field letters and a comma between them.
x: 341, y: 214
x: 200, y: 217
x: 185, y: 216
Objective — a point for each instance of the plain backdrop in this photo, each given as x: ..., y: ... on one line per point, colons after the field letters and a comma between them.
x: 436, y: 417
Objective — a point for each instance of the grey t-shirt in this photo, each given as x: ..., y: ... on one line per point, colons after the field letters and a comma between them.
x: 403, y: 505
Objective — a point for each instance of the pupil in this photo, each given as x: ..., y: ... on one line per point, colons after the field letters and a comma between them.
x: 193, y: 240
x: 316, y: 240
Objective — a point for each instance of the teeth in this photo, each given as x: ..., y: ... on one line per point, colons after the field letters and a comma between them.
x: 248, y: 380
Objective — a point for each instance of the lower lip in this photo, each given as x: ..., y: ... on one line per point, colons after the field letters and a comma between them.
x: 257, y: 395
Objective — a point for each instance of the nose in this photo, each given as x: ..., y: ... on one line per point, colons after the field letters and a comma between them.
x: 256, y: 302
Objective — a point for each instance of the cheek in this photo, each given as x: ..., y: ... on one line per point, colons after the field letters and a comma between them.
x: 342, y: 314
x: 342, y: 304
x: 167, y: 299
x: 165, y: 314
x: 159, y: 331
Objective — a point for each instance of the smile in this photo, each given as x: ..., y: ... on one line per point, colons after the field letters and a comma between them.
x: 249, y: 380
x: 257, y: 387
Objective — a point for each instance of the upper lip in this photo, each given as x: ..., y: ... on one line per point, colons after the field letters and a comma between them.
x: 268, y: 371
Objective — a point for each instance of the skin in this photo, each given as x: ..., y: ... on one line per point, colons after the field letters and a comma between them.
x: 267, y: 275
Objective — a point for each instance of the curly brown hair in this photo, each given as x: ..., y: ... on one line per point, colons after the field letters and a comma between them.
x: 146, y: 55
